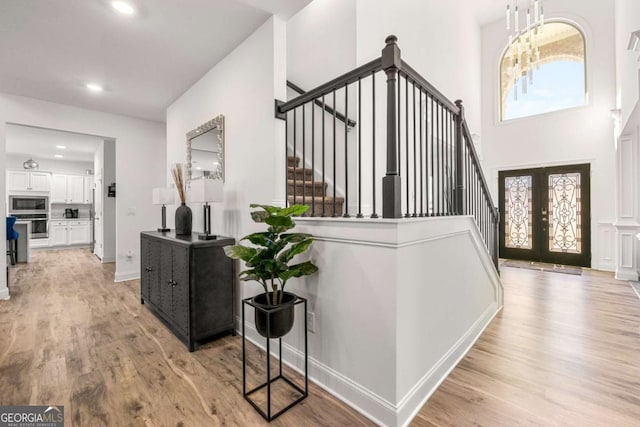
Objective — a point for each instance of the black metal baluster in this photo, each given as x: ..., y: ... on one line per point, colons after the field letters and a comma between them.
x: 286, y: 159
x: 324, y: 181
x: 438, y: 160
x: 360, y: 148
x: 415, y: 155
x: 373, y: 142
x: 304, y: 154
x: 406, y: 137
x: 335, y: 107
x: 399, y: 142
x: 452, y: 187
x: 295, y: 156
x: 313, y: 157
x: 433, y: 156
x: 422, y: 176
x: 346, y: 153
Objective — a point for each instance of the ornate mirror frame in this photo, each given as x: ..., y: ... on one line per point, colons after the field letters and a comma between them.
x: 217, y: 123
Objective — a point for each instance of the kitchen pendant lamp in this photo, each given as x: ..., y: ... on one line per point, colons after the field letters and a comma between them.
x: 30, y: 164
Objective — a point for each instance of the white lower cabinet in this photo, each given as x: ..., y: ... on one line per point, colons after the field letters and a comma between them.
x: 69, y: 232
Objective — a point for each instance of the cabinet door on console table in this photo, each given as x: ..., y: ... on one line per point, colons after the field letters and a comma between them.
x: 188, y: 284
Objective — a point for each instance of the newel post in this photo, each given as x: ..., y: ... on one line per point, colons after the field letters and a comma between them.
x: 459, y: 192
x: 391, y: 185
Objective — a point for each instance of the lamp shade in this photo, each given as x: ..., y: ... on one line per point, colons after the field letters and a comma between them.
x: 207, y: 190
x: 163, y: 196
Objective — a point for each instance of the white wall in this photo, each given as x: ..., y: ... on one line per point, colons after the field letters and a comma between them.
x: 141, y: 156
x: 393, y: 312
x: 321, y: 42
x: 579, y: 135
x: 15, y: 161
x: 243, y: 87
x: 109, y: 203
x: 627, y: 65
x: 440, y: 40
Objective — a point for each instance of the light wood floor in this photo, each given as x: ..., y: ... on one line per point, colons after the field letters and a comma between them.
x: 565, y: 351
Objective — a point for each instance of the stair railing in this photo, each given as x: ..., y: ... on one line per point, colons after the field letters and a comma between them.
x: 431, y: 165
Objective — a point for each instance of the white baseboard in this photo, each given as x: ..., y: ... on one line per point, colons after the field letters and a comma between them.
x: 372, y: 406
x: 4, y: 293
x: 630, y: 275
x: 124, y: 277
x: 415, y: 399
x: 106, y: 260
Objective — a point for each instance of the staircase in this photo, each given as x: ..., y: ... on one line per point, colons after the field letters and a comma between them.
x: 304, y: 189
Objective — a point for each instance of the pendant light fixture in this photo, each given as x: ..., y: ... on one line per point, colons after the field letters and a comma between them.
x: 30, y: 164
x: 524, y: 40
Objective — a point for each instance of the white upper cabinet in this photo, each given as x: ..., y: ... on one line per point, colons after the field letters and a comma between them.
x: 59, y: 188
x: 28, y: 181
x: 67, y: 189
x: 88, y: 188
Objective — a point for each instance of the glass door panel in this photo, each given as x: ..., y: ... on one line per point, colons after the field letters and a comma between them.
x: 545, y: 215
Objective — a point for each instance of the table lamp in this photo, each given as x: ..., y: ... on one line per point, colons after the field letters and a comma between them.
x: 163, y: 196
x: 207, y: 190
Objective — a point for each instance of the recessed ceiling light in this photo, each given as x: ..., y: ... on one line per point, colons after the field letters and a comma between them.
x: 61, y: 147
x: 93, y: 87
x: 123, y: 7
x: 58, y: 156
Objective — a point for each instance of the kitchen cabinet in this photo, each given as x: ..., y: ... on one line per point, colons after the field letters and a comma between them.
x: 188, y: 284
x: 69, y: 232
x: 28, y: 181
x: 88, y: 188
x: 67, y: 189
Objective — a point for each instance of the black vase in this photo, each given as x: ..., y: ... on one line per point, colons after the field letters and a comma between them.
x: 183, y: 220
x: 280, y: 316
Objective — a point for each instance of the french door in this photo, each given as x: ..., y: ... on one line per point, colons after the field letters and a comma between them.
x: 545, y: 215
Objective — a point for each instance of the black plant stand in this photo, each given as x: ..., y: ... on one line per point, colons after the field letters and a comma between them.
x: 267, y: 415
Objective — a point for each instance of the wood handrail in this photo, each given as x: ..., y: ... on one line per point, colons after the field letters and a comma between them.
x: 335, y: 84
x: 328, y: 109
x: 412, y: 74
x: 476, y: 161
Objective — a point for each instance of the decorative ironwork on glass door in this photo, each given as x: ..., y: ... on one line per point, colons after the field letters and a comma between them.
x: 518, y: 223
x: 545, y: 214
x: 564, y: 213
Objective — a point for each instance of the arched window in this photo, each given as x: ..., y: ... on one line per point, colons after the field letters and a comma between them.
x: 543, y: 72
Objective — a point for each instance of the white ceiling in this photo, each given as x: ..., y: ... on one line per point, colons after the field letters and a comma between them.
x: 51, y: 48
x: 41, y: 143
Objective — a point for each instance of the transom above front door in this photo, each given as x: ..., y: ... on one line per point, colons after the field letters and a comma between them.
x: 545, y: 215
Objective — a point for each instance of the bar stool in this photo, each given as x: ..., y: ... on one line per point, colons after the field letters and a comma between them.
x: 12, y: 240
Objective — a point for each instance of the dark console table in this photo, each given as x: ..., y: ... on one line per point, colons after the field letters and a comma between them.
x: 188, y: 284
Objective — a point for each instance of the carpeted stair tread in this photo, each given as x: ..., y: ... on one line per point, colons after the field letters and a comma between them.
x: 303, y: 182
x: 306, y: 187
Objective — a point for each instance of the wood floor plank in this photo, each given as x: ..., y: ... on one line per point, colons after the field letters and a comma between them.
x: 71, y: 336
x: 564, y: 351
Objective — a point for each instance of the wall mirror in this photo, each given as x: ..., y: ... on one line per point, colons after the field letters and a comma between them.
x: 205, y: 151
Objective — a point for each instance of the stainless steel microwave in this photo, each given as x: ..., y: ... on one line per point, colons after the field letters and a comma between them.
x: 28, y: 204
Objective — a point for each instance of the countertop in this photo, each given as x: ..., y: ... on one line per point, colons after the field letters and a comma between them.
x: 71, y: 219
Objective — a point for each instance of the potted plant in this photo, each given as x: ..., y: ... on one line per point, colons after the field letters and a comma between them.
x: 269, y: 262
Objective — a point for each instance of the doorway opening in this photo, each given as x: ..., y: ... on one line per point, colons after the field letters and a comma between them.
x: 545, y: 215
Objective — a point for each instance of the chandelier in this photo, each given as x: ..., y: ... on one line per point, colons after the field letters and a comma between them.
x: 524, y: 40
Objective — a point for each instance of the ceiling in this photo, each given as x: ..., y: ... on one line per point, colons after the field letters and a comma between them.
x: 51, y: 49
x: 41, y: 143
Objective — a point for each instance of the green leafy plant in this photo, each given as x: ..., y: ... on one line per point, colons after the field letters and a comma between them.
x: 269, y: 261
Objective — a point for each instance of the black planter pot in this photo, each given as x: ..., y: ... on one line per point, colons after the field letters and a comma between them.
x: 281, y: 316
x: 183, y: 220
